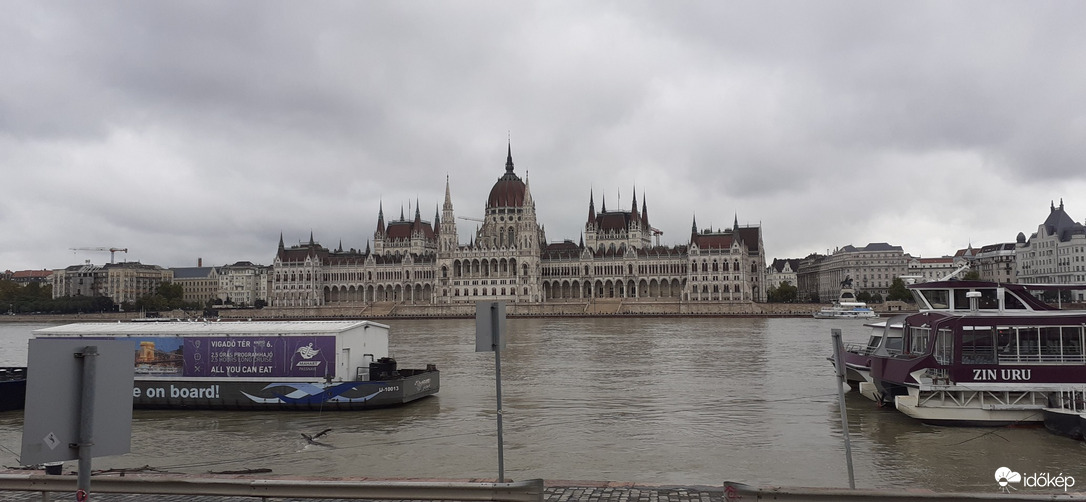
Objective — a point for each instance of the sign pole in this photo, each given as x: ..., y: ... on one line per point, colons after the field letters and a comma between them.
x: 496, y: 337
x: 86, y: 421
x: 838, y: 363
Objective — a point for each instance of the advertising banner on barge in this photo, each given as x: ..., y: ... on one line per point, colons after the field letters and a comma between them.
x: 235, y: 357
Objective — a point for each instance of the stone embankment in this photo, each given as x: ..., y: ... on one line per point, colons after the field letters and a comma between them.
x: 402, y: 310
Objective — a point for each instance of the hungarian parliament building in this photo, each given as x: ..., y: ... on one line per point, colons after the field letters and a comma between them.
x: 414, y: 261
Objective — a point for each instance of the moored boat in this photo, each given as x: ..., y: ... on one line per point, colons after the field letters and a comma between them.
x: 12, y: 388
x: 290, y: 365
x: 981, y: 354
x: 846, y: 306
x: 885, y: 336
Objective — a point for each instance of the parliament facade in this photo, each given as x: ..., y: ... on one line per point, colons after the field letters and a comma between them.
x: 415, y: 261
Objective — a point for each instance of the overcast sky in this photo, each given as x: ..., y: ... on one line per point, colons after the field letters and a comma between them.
x: 187, y: 130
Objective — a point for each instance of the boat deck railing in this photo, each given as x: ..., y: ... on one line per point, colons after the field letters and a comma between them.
x: 862, y: 349
x: 1042, y: 359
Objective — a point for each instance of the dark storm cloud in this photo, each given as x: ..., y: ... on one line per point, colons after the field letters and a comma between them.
x: 204, y: 129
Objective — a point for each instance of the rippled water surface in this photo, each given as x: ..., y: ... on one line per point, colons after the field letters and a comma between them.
x: 683, y: 401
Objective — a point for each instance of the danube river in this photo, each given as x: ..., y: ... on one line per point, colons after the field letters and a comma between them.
x: 670, y: 401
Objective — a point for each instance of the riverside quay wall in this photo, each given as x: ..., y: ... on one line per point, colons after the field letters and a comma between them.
x: 598, y: 308
x: 550, y: 309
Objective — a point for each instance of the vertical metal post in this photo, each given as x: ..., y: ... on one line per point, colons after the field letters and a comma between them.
x: 839, y: 364
x: 496, y: 337
x: 86, y: 420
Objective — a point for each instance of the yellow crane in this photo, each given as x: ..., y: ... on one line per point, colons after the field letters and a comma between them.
x: 112, y: 251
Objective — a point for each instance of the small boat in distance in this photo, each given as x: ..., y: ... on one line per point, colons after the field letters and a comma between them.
x: 846, y: 306
x: 273, y: 365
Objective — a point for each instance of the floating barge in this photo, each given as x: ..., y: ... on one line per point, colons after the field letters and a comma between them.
x: 288, y: 365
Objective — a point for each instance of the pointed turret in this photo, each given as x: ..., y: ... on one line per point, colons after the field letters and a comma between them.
x: 644, y: 211
x: 281, y: 246
x: 735, y: 224
x: 448, y: 196
x: 591, y: 209
x: 449, y: 240
x: 528, y: 202
x: 509, y: 159
x: 381, y: 219
x: 633, y: 209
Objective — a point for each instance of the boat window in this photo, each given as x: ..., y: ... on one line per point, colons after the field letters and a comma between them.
x: 988, y: 299
x: 1007, y: 342
x: 1071, y: 340
x: 1029, y: 346
x: 944, y: 346
x: 961, y: 302
x: 918, y: 339
x: 937, y: 298
x: 1011, y: 302
x: 978, y: 346
x: 893, y: 344
x: 1045, y: 344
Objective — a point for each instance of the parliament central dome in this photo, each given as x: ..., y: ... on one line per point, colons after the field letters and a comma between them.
x: 509, y: 190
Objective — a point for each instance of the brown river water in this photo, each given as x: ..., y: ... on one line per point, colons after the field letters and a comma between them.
x: 665, y: 401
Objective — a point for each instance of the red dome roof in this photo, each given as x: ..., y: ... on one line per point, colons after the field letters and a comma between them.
x: 509, y: 190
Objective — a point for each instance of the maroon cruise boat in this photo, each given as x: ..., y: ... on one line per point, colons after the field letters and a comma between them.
x: 980, y: 353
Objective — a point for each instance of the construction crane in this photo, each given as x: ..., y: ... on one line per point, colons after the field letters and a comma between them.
x: 480, y: 220
x: 112, y: 251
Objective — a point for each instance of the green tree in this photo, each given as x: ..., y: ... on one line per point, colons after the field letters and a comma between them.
x: 971, y: 275
x: 863, y: 296
x: 898, y: 291
x: 771, y: 294
x: 787, y: 293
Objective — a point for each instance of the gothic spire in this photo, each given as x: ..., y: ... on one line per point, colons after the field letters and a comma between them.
x: 644, y: 210
x: 591, y: 209
x: 381, y: 218
x: 509, y: 159
x: 448, y: 196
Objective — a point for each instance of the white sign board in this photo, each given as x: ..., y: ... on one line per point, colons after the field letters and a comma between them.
x: 54, y: 389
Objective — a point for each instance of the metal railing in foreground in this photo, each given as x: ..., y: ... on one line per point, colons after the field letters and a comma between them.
x: 522, y: 491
